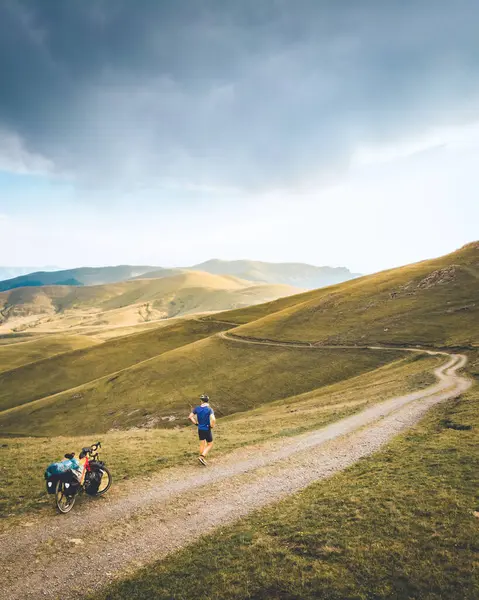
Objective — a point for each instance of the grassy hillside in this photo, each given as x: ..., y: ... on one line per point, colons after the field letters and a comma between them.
x: 15, y: 355
x: 433, y: 302
x: 160, y: 392
x: 127, y: 303
x: 51, y: 299
x: 104, y: 333
x: 7, y: 339
x: 139, y: 452
x: 399, y: 524
x: 71, y: 369
x: 296, y: 274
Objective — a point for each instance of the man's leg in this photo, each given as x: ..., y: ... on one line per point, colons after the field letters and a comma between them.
x: 201, y: 457
x: 207, y: 449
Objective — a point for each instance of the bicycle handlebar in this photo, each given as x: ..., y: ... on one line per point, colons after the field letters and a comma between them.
x: 90, y: 449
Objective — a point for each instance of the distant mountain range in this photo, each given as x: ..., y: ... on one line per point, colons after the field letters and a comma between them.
x: 11, y: 272
x: 127, y: 303
x: 81, y: 276
x: 298, y: 275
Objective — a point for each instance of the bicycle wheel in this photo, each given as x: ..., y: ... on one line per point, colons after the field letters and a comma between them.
x: 64, y: 503
x: 105, y: 482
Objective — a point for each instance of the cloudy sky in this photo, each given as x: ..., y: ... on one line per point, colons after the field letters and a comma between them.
x: 170, y: 132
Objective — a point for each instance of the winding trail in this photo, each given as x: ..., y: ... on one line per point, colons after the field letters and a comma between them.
x: 131, y: 530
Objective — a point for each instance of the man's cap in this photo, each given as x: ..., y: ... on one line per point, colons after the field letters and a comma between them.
x: 204, y: 398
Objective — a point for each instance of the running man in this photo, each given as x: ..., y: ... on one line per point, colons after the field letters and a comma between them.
x: 204, y: 417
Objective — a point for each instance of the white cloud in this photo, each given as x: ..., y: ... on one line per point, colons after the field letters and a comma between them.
x: 16, y: 158
x: 447, y: 137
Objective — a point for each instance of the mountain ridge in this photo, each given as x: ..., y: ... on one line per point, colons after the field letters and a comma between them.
x: 299, y: 275
x: 83, y: 275
x: 9, y: 272
x: 292, y: 273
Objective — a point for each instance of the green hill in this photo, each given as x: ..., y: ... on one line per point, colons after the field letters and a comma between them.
x: 15, y: 355
x: 160, y: 392
x: 434, y: 302
x: 70, y: 369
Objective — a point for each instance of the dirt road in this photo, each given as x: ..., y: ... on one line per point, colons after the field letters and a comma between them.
x: 39, y: 558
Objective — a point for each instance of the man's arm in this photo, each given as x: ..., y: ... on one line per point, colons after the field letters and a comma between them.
x: 212, y: 420
x: 192, y: 418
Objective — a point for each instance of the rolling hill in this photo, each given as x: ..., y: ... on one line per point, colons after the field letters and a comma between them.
x: 76, y: 366
x: 161, y: 391
x: 161, y: 273
x: 13, y: 356
x: 296, y: 274
x: 433, y: 302
x: 59, y: 307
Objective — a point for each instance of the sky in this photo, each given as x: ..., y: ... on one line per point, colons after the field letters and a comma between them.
x: 170, y: 132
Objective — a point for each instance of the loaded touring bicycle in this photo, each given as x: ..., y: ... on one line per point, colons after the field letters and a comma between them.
x: 72, y: 476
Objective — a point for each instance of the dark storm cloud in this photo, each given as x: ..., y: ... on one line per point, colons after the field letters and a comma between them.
x: 250, y: 93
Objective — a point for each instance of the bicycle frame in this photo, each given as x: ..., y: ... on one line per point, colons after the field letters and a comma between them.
x: 89, y: 455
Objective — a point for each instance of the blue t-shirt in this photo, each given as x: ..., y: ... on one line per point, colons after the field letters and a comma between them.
x: 203, y: 414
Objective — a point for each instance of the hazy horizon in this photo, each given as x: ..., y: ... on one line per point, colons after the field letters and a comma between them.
x: 66, y: 267
x: 166, y: 133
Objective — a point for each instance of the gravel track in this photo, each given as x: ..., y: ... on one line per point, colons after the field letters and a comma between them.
x: 124, y: 533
